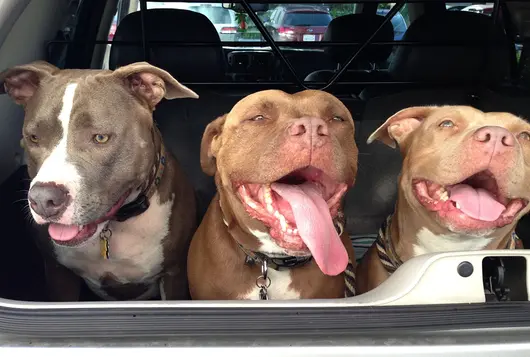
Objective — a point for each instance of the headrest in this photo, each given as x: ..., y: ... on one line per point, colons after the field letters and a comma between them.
x: 358, y: 28
x: 443, y: 63
x: 186, y: 63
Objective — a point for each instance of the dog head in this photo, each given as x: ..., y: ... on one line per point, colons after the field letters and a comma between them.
x: 464, y: 169
x: 89, y: 138
x: 283, y: 164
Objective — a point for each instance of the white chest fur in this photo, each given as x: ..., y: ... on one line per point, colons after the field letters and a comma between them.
x: 428, y: 242
x: 135, y: 250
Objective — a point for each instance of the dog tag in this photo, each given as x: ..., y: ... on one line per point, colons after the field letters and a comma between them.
x: 263, y: 293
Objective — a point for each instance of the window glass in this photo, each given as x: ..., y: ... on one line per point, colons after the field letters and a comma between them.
x: 479, y: 8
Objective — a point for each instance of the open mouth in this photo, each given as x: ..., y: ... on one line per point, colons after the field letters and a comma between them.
x: 299, y: 210
x: 71, y: 235
x: 475, y: 203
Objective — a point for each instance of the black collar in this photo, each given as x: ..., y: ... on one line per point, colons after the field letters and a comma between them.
x: 282, y: 261
x: 276, y: 262
x: 141, y: 203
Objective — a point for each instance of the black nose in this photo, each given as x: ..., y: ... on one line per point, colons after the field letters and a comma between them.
x: 48, y: 199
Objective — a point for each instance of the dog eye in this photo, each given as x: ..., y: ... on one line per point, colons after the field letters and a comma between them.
x: 33, y: 138
x: 337, y: 118
x: 524, y: 135
x: 447, y: 124
x: 258, y: 118
x: 101, y: 138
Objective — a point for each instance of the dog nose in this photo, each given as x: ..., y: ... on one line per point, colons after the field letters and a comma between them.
x: 48, y: 199
x: 495, y: 137
x: 314, y: 130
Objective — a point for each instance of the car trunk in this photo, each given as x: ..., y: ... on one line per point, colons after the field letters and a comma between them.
x: 401, y: 314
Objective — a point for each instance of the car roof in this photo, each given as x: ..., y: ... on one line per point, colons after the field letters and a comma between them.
x: 308, y: 10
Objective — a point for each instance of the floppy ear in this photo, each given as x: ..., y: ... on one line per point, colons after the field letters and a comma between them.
x: 210, y: 145
x: 400, y: 125
x: 21, y: 82
x: 152, y: 83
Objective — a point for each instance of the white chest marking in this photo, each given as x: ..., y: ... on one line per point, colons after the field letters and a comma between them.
x: 136, y: 250
x: 268, y: 246
x: 280, y: 288
x: 428, y: 242
x: 56, y: 168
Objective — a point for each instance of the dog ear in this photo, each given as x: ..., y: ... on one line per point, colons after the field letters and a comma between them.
x: 210, y: 145
x: 152, y: 83
x: 21, y: 82
x: 399, y: 126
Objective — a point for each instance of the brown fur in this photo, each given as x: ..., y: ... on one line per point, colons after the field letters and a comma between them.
x: 236, y: 149
x: 445, y: 156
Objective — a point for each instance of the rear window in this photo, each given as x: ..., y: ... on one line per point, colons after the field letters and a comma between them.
x: 299, y: 29
x: 307, y: 19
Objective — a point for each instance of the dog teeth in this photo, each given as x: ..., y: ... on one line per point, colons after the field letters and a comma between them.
x: 457, y: 205
x: 295, y: 231
x: 444, y: 196
x: 252, y: 205
x: 283, y: 223
x: 289, y: 231
x: 267, y: 193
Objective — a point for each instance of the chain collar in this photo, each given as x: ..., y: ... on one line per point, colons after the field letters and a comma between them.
x: 391, y: 261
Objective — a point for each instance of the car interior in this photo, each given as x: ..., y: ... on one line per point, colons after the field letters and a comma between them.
x: 444, y: 56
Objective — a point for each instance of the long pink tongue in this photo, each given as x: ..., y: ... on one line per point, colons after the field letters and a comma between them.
x: 61, y: 232
x: 476, y: 203
x: 315, y: 226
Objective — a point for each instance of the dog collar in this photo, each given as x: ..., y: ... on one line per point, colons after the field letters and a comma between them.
x: 391, y: 261
x: 141, y: 203
x: 280, y: 262
x: 276, y: 262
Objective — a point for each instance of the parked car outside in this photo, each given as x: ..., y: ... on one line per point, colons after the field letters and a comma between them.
x: 486, y: 9
x: 223, y: 19
x: 113, y: 27
x: 298, y: 24
x: 457, y: 6
x: 398, y: 22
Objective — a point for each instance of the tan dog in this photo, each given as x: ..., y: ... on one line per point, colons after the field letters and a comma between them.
x: 282, y: 165
x: 464, y: 184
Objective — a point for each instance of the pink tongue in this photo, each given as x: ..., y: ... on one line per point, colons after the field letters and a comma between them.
x: 476, y: 203
x: 62, y: 232
x: 315, y: 226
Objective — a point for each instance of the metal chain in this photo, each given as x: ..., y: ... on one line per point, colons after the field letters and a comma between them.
x: 263, y: 282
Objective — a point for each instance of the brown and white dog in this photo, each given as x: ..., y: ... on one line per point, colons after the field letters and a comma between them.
x: 464, y: 184
x: 282, y: 164
x: 118, y: 209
